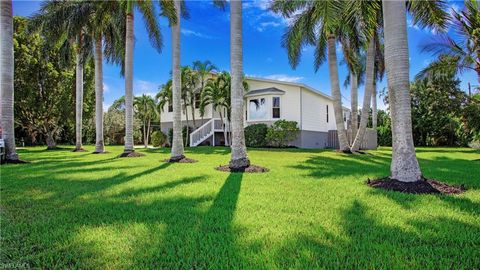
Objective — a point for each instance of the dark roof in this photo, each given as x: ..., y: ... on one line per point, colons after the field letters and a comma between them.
x: 270, y: 90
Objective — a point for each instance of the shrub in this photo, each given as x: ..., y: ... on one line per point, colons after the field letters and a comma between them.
x: 255, y: 135
x: 159, y: 138
x: 282, y: 132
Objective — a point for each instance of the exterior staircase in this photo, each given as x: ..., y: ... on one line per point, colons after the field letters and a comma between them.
x: 207, y: 130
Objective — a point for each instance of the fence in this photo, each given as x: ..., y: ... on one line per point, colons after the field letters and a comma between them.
x: 369, y: 140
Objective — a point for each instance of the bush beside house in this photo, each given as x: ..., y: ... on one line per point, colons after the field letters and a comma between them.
x: 255, y: 135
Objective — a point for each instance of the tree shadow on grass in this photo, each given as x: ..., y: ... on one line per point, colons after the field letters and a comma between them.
x: 365, y: 242
x: 160, y: 231
x: 326, y: 167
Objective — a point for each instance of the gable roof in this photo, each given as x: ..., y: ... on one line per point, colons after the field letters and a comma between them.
x: 270, y: 90
x: 302, y: 85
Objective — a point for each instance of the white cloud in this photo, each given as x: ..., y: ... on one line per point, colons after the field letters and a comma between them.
x: 106, y: 88
x: 188, y: 32
x: 278, y: 77
x: 411, y: 25
x: 106, y: 106
x: 145, y: 87
x: 264, y: 25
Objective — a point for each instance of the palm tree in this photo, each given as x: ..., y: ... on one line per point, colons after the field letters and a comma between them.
x: 239, y: 159
x: 355, y: 66
x: 404, y: 166
x: 177, y: 142
x: 145, y: 107
x: 217, y: 94
x: 459, y: 52
x: 147, y: 10
x: 203, y: 69
x: 66, y: 23
x: 164, y: 97
x: 6, y: 81
x: 317, y: 23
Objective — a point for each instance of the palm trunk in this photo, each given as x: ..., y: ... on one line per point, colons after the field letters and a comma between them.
x: 193, y: 114
x: 78, y: 96
x: 129, y: 82
x: 337, y: 98
x: 186, y: 132
x: 239, y: 157
x: 225, y: 135
x: 404, y: 166
x: 145, y: 134
x: 99, y: 145
x: 148, y: 131
x: 177, y: 141
x: 354, y: 101
x: 374, y: 106
x: 367, y: 97
x: 6, y: 80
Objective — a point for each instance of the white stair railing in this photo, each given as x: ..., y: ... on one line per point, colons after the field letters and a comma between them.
x: 202, y: 133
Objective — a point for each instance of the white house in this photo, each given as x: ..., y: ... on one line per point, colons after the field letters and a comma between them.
x: 266, y: 102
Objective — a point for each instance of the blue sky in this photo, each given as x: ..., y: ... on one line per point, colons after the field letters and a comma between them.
x: 206, y: 34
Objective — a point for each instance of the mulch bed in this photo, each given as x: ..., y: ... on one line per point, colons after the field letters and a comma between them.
x: 249, y: 169
x: 424, y: 186
x: 79, y: 150
x: 131, y: 154
x: 15, y: 161
x: 183, y: 160
x: 104, y: 152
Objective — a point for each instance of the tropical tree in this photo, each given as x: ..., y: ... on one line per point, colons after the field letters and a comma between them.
x: 147, y: 9
x: 404, y: 166
x: 6, y: 81
x: 203, y: 69
x: 66, y: 22
x: 317, y: 23
x: 461, y: 51
x: 145, y: 108
x: 217, y: 94
x: 239, y: 159
x: 177, y: 142
x: 189, y: 90
x: 163, y: 97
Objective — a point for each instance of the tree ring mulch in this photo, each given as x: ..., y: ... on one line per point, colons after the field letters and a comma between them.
x: 104, y: 152
x: 424, y: 186
x: 79, y: 150
x: 182, y: 160
x: 131, y: 154
x: 249, y: 169
x: 15, y: 161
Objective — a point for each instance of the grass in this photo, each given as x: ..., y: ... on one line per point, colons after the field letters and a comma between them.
x: 312, y: 210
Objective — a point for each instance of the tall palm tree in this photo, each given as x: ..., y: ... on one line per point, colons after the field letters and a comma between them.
x: 203, y: 69
x: 461, y: 51
x: 404, y: 166
x: 147, y: 9
x: 239, y: 159
x: 66, y: 22
x: 6, y: 81
x: 177, y: 152
x: 145, y: 107
x: 317, y: 23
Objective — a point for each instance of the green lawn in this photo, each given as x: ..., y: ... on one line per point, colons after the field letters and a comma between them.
x: 312, y: 210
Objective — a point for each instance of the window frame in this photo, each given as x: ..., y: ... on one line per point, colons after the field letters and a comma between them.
x: 279, y: 108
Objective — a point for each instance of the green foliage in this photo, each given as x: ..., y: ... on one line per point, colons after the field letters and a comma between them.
x: 114, y: 124
x: 281, y: 133
x: 158, y: 138
x: 436, y: 108
x: 384, y: 128
x: 312, y: 210
x: 255, y: 135
x: 44, y: 88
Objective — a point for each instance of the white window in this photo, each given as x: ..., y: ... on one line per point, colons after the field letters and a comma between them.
x: 276, y: 107
x: 257, y: 109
